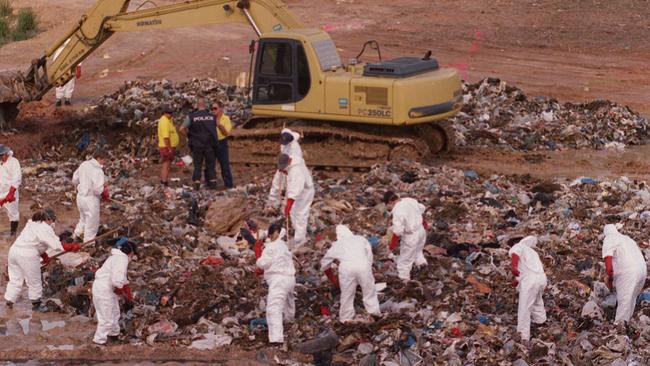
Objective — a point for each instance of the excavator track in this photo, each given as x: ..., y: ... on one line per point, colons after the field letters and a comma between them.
x: 339, y: 145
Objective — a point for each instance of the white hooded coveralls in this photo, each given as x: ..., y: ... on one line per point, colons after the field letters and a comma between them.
x: 354, y: 254
x: 532, y: 282
x: 66, y: 90
x: 293, y: 148
x: 110, y: 276
x: 629, y: 270
x: 301, y: 190
x: 89, y: 178
x: 25, y: 262
x: 279, y: 274
x: 10, y: 176
x: 407, y: 224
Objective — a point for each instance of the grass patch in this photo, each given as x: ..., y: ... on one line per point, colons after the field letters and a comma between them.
x: 18, y: 27
x: 27, y: 21
x: 6, y: 9
x: 4, y: 28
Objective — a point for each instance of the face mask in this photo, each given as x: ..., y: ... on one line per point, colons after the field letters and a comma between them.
x: 53, y: 226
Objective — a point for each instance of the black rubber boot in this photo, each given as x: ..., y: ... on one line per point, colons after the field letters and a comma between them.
x: 323, y: 358
x: 37, y: 305
x: 9, y: 304
x: 58, y: 102
x: 14, y: 228
x: 68, y: 102
x: 113, y: 339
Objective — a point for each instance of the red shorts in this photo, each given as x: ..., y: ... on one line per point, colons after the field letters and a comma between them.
x: 164, y: 158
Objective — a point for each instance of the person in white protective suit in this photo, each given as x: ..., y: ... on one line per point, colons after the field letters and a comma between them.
x: 25, y: 256
x: 409, y: 231
x: 279, y: 273
x: 64, y: 93
x: 110, y: 282
x: 626, y: 270
x: 289, y: 143
x: 91, y: 189
x: 531, y: 282
x: 354, y: 254
x: 10, y: 180
x: 299, y: 194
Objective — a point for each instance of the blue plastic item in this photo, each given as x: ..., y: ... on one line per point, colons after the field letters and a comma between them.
x: 374, y: 241
x: 409, y: 341
x: 469, y: 259
x: 644, y: 296
x: 84, y: 142
x: 491, y: 187
x: 434, y: 326
x: 471, y: 174
x: 483, y: 319
x: 587, y: 180
x: 259, y: 322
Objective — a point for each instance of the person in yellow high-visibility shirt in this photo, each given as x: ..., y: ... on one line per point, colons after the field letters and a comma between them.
x: 224, y: 126
x: 167, y: 142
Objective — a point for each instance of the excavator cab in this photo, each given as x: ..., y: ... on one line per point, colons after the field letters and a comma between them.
x: 281, y: 72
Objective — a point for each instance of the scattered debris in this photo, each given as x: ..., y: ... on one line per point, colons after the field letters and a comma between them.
x: 498, y: 114
x: 195, y: 283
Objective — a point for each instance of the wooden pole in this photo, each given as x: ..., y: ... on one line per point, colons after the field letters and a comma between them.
x: 113, y: 231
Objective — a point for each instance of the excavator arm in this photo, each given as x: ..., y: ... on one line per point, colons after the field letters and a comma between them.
x: 57, y: 66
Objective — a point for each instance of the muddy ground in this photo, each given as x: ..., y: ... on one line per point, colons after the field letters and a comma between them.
x: 27, y: 336
x: 572, y: 51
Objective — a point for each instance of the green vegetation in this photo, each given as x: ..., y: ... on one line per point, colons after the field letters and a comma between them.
x: 26, y: 25
x: 4, y: 29
x: 16, y: 27
x: 26, y: 20
x: 6, y: 9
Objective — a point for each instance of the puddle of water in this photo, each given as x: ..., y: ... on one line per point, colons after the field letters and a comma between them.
x: 63, y: 347
x: 47, y: 325
x: 24, y: 324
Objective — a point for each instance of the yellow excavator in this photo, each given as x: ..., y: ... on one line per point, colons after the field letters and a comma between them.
x: 383, y: 110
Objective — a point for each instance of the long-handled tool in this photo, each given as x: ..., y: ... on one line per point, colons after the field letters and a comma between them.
x: 113, y: 231
x: 113, y: 200
x: 286, y: 200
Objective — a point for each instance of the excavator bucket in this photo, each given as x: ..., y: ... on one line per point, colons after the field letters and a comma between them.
x: 8, y: 114
x: 9, y: 98
x: 48, y: 71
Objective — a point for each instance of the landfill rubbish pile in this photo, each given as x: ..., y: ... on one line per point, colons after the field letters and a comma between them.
x: 498, y: 114
x: 140, y: 102
x: 195, y: 283
x: 495, y: 114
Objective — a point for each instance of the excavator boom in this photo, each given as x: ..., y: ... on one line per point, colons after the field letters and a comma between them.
x: 57, y: 66
x: 264, y: 16
x: 394, y: 107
